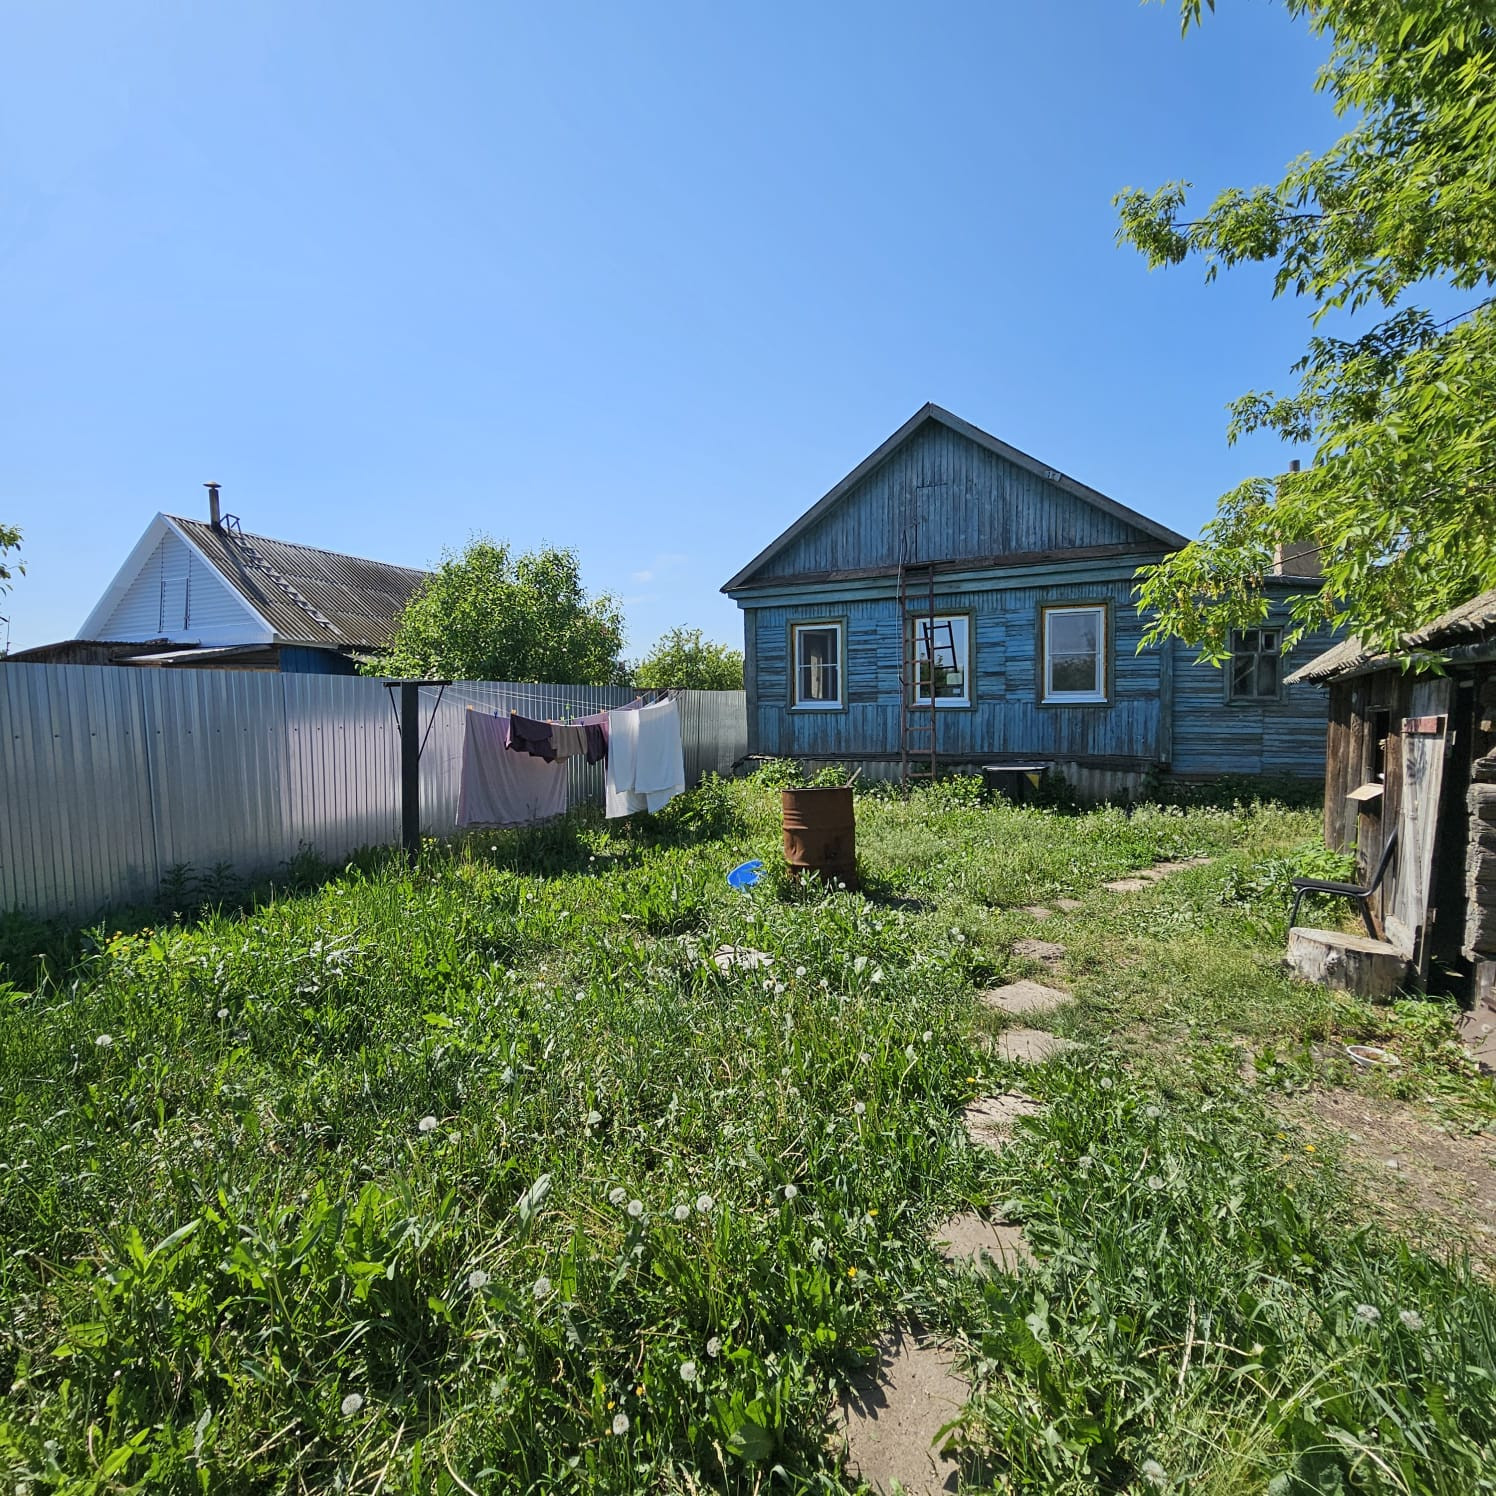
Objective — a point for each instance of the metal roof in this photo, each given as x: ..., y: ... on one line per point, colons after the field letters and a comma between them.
x: 308, y: 596
x: 1457, y: 626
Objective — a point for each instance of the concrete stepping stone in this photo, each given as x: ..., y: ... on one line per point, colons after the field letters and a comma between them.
x: 1069, y: 905
x: 1027, y: 1046
x: 989, y: 1121
x: 1038, y: 911
x: 1039, y: 950
x: 892, y: 1415
x: 1024, y: 999
x: 1128, y: 885
x: 974, y: 1241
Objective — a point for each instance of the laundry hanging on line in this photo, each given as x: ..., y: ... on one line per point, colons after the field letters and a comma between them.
x: 646, y: 759
x: 503, y: 788
x: 558, y: 740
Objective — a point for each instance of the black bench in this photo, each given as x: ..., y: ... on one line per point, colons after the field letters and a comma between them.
x: 1362, y: 896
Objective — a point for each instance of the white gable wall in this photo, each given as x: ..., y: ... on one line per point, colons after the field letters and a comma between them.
x: 167, y: 591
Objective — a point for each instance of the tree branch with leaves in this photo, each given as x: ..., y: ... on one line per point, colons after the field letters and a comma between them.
x: 1400, y: 498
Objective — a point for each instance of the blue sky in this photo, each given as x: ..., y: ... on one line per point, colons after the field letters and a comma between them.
x: 641, y: 279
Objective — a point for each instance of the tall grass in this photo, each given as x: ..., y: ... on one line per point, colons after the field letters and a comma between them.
x: 486, y: 1177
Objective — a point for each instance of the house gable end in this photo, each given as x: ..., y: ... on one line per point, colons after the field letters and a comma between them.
x: 970, y: 498
x: 167, y: 590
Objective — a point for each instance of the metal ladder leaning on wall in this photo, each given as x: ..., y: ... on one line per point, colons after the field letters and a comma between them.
x: 918, y: 746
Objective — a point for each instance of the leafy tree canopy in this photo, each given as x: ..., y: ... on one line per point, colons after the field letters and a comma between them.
x: 1401, y: 494
x: 683, y: 658
x: 10, y: 539
x: 487, y: 615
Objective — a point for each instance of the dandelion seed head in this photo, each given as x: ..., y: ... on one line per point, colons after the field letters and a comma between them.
x: 688, y: 1371
x: 593, y: 1118
x: 927, y: 1036
x: 223, y: 1013
x: 1411, y: 1319
x: 620, y: 1423
x: 704, y: 1203
x: 426, y: 1124
x: 617, y: 1195
x: 1155, y: 1182
x: 790, y: 1191
x: 104, y: 1041
x: 682, y: 1212
x: 714, y: 1346
x: 799, y: 971
x: 477, y: 1279
x: 636, y: 1209
x: 1106, y: 1083
x: 352, y: 1403
x: 864, y: 1058
x: 858, y: 1108
x: 1154, y: 1111
x: 542, y: 1288
x: 1154, y: 1473
x: 1367, y: 1314
x: 911, y: 1053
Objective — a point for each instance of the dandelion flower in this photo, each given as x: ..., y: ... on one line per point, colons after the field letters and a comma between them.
x: 620, y: 1423
x: 704, y: 1203
x: 542, y: 1288
x: 872, y: 1211
x: 617, y: 1195
x: 714, y: 1346
x: 851, y: 1272
x: 636, y: 1209
x: 859, y: 1107
x: 104, y: 1040
x: 682, y: 1212
x: 1309, y: 1148
x: 1367, y: 1314
x: 688, y: 1371
x: 790, y: 1192
x: 426, y: 1124
x: 1410, y: 1318
x: 1154, y: 1473
x: 799, y: 971
x: 477, y: 1279
x: 351, y: 1404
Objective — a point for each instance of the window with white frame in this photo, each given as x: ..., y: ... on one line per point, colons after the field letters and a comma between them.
x: 942, y: 653
x: 817, y: 650
x: 1075, y: 653
x: 1256, y: 664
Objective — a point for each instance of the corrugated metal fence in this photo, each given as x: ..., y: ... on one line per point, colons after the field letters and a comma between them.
x: 113, y: 777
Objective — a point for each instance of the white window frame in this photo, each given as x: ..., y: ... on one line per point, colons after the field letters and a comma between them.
x: 1239, y: 650
x: 961, y: 636
x: 839, y: 628
x: 1095, y: 697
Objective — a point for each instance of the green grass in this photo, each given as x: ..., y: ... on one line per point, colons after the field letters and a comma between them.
x: 484, y: 1177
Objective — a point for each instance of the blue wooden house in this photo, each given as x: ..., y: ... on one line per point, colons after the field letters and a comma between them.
x: 954, y: 602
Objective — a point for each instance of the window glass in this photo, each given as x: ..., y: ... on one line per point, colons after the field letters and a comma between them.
x: 1256, y: 664
x: 941, y: 656
x: 1075, y: 654
x: 818, y: 664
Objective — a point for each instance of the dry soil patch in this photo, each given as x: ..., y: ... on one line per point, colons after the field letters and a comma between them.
x: 892, y: 1416
x: 1426, y: 1181
x: 1038, y: 911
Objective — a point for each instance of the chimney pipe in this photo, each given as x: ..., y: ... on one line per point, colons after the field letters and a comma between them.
x: 213, y: 516
x: 1293, y: 465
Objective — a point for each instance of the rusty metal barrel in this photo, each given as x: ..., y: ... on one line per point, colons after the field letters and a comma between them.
x: 820, y: 833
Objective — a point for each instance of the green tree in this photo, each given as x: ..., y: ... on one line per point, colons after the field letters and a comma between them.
x: 487, y: 615
x: 1401, y: 495
x: 685, y: 659
x: 10, y: 539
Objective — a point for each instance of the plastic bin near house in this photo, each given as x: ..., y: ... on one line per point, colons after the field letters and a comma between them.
x: 1018, y: 783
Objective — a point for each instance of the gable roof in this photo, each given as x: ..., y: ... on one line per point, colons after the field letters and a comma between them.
x: 290, y: 594
x: 307, y: 595
x: 931, y: 412
x: 1461, y: 625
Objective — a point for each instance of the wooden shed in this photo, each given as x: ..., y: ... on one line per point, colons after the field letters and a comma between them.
x: 1411, y: 752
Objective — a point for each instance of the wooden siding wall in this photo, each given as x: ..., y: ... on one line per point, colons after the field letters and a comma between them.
x: 970, y: 503
x: 1006, y: 718
x: 1213, y: 736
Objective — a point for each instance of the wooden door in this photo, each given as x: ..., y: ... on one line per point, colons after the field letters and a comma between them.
x: 1423, y: 737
